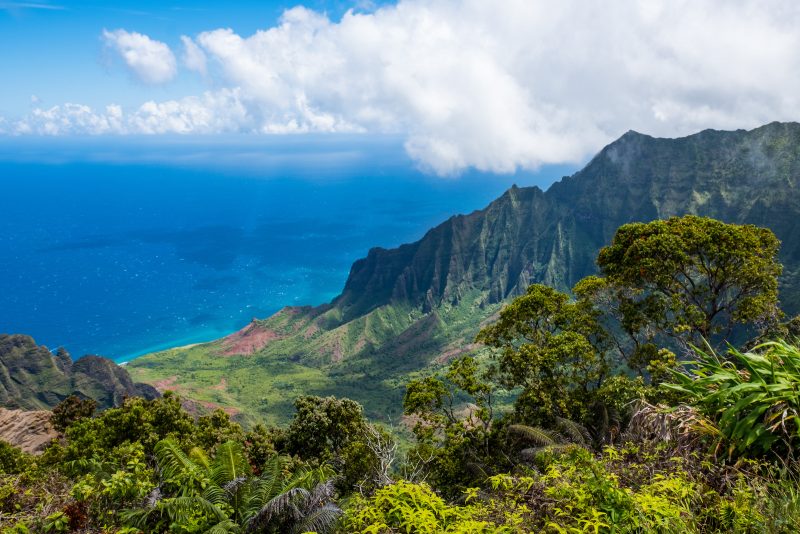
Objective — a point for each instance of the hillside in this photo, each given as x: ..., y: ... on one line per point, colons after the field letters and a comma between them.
x: 32, y: 378
x: 421, y: 303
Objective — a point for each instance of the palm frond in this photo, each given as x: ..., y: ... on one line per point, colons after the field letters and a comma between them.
x: 199, y: 457
x: 172, y: 461
x: 215, y: 494
x: 224, y: 527
x: 322, y: 520
x: 575, y: 432
x: 137, y: 517
x: 281, y: 506
x: 265, y: 487
x: 229, y: 463
x: 321, y: 493
x: 533, y: 434
x: 181, y: 509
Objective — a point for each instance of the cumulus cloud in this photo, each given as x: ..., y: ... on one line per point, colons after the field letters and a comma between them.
x: 193, y: 56
x: 151, y: 61
x: 213, y: 112
x: 496, y: 86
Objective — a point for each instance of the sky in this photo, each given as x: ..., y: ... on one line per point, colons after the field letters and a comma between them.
x: 496, y: 86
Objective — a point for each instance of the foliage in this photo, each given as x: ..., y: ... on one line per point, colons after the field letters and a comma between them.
x: 137, y: 420
x: 752, y: 398
x: 693, y: 277
x: 198, y: 495
x: 563, y: 458
x: 412, y: 509
x: 327, y: 429
x: 458, y: 441
x: 70, y: 410
x: 553, y: 349
x: 13, y: 460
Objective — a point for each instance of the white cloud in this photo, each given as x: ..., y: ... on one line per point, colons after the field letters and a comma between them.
x: 213, y: 112
x: 504, y: 85
x: 492, y: 85
x: 151, y: 61
x: 193, y: 56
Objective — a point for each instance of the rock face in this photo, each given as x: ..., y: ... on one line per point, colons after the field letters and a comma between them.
x: 30, y: 431
x: 553, y: 237
x: 31, y: 377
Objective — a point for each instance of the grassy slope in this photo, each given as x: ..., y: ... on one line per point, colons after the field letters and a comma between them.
x: 525, y: 236
x: 368, y: 359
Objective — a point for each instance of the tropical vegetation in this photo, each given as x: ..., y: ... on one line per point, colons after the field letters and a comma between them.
x: 660, y: 395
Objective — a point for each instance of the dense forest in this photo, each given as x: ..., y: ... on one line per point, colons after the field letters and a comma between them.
x: 660, y: 395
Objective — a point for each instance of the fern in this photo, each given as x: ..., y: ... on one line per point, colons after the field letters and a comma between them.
x: 576, y: 432
x: 322, y: 519
x: 229, y: 463
x: 534, y: 434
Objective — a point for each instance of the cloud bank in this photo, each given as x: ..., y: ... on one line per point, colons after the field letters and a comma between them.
x: 497, y: 86
x: 150, y: 61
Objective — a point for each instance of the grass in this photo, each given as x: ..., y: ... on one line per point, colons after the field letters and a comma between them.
x: 369, y: 359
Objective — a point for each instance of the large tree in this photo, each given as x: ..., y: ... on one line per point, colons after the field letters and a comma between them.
x: 693, y: 278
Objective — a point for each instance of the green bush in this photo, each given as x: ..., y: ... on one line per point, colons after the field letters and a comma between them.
x: 752, y: 397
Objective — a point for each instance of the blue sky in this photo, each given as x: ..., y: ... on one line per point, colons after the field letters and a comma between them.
x: 54, y: 51
x: 497, y: 86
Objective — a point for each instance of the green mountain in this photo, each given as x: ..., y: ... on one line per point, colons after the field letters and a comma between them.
x: 422, y: 303
x: 31, y: 377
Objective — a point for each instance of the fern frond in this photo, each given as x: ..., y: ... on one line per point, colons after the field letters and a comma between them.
x: 575, y: 432
x: 322, y: 520
x: 172, y: 461
x: 181, y: 509
x: 282, y: 505
x: 534, y: 434
x: 229, y: 463
x: 265, y: 487
x: 200, y: 458
x: 224, y: 527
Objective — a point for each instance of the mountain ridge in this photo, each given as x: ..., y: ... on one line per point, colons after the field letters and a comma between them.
x: 405, y: 307
x: 33, y: 378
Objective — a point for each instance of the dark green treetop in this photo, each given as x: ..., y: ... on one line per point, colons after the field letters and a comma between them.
x: 693, y: 277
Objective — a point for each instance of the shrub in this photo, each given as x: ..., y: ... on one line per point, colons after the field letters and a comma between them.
x: 752, y: 397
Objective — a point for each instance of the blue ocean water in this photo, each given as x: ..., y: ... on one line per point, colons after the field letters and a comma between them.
x: 121, y: 248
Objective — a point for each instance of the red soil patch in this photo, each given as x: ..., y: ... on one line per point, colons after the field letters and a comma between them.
x: 337, y: 353
x: 360, y: 344
x: 455, y: 352
x: 248, y: 340
x: 165, y: 384
x: 310, y: 331
x: 221, y: 386
x: 213, y: 406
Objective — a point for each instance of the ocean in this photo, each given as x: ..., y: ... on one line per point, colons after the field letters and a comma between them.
x: 125, y: 246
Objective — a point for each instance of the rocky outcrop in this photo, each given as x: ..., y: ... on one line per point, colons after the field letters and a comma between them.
x: 31, y: 377
x: 30, y: 431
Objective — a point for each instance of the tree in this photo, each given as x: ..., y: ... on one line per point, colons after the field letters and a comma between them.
x: 692, y: 277
x: 327, y: 429
x: 456, y: 425
x: 322, y: 426
x: 72, y: 409
x: 554, y: 349
x: 145, y: 421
